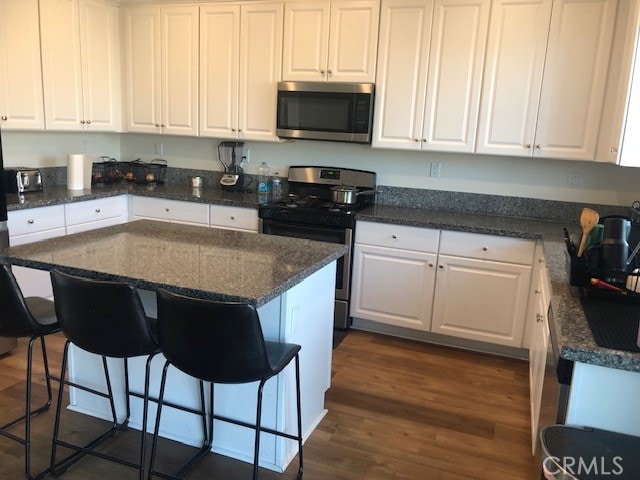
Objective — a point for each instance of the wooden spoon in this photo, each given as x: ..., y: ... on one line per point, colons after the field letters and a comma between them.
x: 588, y: 219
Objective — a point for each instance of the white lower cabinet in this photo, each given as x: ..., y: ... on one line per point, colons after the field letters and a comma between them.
x: 175, y: 211
x: 234, y: 218
x: 478, y: 291
x: 92, y: 214
x: 394, y: 274
x: 33, y: 225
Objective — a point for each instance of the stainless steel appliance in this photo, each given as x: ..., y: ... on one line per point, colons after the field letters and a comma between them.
x: 22, y: 180
x: 308, y: 212
x: 341, y: 112
x: 6, y: 344
x: 231, y: 155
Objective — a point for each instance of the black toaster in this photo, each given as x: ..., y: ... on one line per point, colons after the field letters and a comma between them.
x: 22, y: 180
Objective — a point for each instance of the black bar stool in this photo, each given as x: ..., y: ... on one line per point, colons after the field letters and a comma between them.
x: 33, y: 318
x: 221, y: 342
x: 107, y: 319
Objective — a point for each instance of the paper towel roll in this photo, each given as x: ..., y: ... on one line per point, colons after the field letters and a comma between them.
x: 75, y: 171
x: 88, y: 166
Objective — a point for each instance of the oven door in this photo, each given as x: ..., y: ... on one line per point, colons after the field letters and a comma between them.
x: 322, y: 234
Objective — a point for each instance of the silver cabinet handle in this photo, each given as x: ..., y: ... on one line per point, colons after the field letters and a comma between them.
x: 394, y: 236
x: 484, y: 249
x: 31, y: 222
x: 527, y: 146
x: 97, y: 210
x: 232, y: 217
x: 440, y: 266
x: 322, y: 72
x: 424, y: 140
x: 166, y: 209
x: 539, y: 317
x: 539, y: 147
x: 88, y: 122
x: 233, y: 129
x: 431, y: 265
x: 4, y: 118
x: 329, y: 72
x: 536, y: 291
x: 162, y: 125
x: 416, y: 139
x: 613, y: 149
x: 82, y: 122
x: 157, y: 125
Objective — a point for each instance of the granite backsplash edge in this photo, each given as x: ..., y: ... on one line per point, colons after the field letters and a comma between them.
x: 460, y: 202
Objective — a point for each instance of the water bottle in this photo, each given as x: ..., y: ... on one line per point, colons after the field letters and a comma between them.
x: 276, y: 188
x: 264, y: 182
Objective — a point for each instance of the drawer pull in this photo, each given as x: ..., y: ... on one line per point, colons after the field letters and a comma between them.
x: 31, y: 222
x: 539, y: 317
x: 484, y: 249
x: 232, y: 217
x: 97, y: 210
x: 440, y: 266
x: 431, y: 265
x: 536, y: 291
x: 166, y: 209
x: 394, y: 236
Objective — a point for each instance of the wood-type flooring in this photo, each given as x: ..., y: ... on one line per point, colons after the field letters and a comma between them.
x: 398, y: 410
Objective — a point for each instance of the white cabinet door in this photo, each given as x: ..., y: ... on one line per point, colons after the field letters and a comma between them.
x: 353, y: 41
x: 174, y: 211
x: 92, y: 214
x: 161, y: 69
x: 21, y: 103
x: 180, y: 39
x: 393, y: 286
x: 403, y: 57
x: 81, y: 65
x: 480, y: 300
x: 306, y: 41
x: 574, y: 79
x: 142, y: 69
x: 513, y: 76
x: 101, y: 80
x: 455, y: 74
x: 61, y: 64
x: 333, y: 41
x: 260, y: 69
x: 219, y: 70
x: 233, y: 218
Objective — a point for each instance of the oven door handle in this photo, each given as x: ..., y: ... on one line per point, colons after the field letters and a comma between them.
x: 322, y: 234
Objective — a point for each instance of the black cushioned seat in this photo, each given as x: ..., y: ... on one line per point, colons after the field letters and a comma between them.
x: 107, y: 319
x: 221, y: 342
x: 33, y: 318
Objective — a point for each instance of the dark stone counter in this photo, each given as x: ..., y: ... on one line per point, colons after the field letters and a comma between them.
x: 195, y: 261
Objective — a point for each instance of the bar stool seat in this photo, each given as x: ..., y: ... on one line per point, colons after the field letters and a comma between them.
x: 221, y: 342
x: 33, y: 318
x: 106, y: 319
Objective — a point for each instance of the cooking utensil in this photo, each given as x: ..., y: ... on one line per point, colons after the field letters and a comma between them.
x: 348, y: 195
x: 571, y: 248
x: 607, y: 286
x: 588, y: 219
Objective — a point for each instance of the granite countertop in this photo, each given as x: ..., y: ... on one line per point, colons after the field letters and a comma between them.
x: 195, y: 261
x: 57, y: 195
x: 571, y: 327
x: 574, y: 335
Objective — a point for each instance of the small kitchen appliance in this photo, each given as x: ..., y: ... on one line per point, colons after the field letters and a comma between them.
x: 231, y: 155
x: 309, y: 211
x: 22, y: 180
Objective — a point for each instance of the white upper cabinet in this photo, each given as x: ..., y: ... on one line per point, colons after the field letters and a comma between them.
x: 545, y: 77
x: 21, y: 104
x: 574, y: 78
x: 81, y: 65
x: 429, y: 74
x: 333, y: 41
x: 513, y: 76
x: 161, y: 69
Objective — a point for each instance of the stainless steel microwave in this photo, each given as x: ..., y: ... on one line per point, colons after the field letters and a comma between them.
x: 339, y: 112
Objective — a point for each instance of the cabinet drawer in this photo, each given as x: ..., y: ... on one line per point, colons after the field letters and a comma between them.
x: 487, y: 247
x: 36, y: 220
x: 235, y: 218
x: 96, y: 210
x: 397, y: 236
x: 170, y: 210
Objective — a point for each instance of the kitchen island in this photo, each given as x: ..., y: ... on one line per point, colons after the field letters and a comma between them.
x: 290, y: 281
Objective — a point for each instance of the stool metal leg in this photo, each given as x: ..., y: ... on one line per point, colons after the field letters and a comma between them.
x: 299, y: 404
x: 256, y: 451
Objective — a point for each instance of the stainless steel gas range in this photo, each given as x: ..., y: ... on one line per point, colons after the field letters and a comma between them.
x: 308, y: 212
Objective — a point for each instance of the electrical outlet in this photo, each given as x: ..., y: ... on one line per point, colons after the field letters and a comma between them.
x: 247, y: 157
x: 159, y: 148
x: 573, y: 180
x: 435, y: 170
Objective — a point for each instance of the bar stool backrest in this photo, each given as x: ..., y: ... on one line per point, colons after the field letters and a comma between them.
x: 102, y: 317
x: 15, y: 318
x: 220, y: 342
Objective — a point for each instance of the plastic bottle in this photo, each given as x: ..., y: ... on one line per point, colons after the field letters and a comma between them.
x: 276, y: 188
x: 264, y: 181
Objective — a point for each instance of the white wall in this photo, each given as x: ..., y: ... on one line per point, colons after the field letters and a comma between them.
x: 523, y: 177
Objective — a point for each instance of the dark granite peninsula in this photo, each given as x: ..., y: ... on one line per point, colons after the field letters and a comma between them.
x: 290, y: 281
